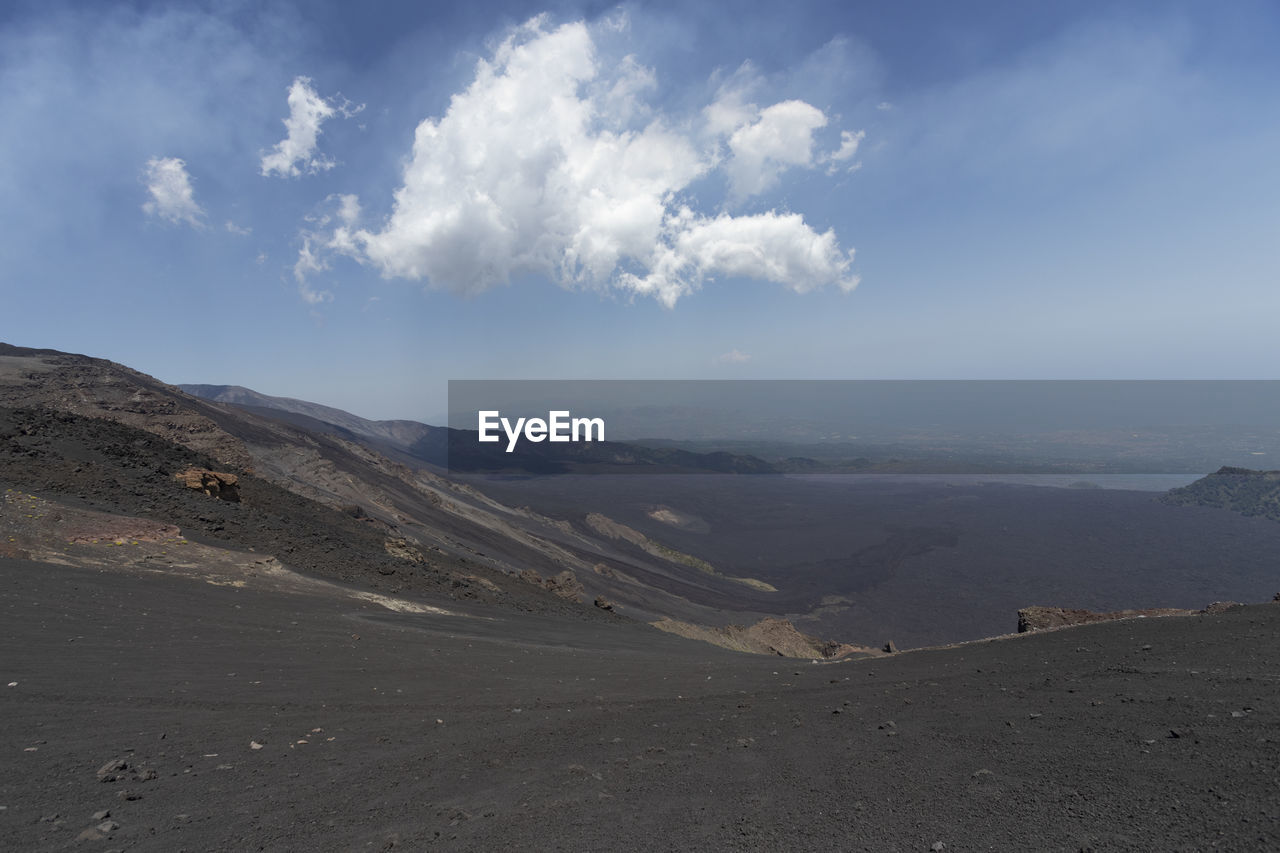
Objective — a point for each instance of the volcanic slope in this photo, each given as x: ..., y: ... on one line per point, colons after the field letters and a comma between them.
x: 149, y: 711
x: 425, y: 515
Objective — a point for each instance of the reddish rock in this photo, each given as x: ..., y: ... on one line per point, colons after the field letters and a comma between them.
x: 224, y: 487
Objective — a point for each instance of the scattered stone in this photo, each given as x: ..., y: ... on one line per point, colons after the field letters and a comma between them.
x: 982, y: 775
x: 13, y: 684
x: 90, y: 835
x: 604, y: 603
x: 107, y: 826
x: 1222, y: 606
x: 102, y: 815
x: 938, y: 847
x: 253, y: 744
x: 891, y: 648
x: 112, y: 770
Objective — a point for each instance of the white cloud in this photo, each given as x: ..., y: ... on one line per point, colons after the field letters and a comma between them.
x: 172, y: 196
x: 779, y: 137
x: 348, y: 209
x: 242, y: 231
x: 849, y: 142
x: 307, y: 112
x: 777, y: 247
x: 311, y: 296
x: 308, y: 264
x: 551, y: 163
x: 733, y: 356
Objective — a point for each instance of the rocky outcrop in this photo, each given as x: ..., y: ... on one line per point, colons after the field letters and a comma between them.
x: 769, y: 636
x: 403, y: 549
x: 215, y: 484
x: 1222, y: 607
x: 94, y: 387
x: 566, y: 584
x: 1045, y: 618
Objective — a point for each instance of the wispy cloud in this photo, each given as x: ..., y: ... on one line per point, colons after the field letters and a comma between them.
x: 239, y: 230
x: 733, y: 356
x: 849, y: 142
x: 550, y: 162
x: 297, y: 153
x: 172, y: 196
x: 308, y: 264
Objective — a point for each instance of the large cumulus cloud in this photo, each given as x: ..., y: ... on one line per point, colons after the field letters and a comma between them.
x: 551, y: 162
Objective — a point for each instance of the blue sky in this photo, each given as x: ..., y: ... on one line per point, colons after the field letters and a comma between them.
x: 520, y: 190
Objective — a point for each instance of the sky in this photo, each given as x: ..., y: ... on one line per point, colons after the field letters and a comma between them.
x: 354, y: 203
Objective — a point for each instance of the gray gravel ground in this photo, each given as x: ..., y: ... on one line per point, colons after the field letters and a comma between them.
x: 163, y: 713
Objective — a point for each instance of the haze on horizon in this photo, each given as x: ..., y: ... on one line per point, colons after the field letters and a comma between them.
x: 320, y: 203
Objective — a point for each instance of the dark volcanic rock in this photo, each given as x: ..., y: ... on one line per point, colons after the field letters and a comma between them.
x: 681, y: 746
x: 105, y: 465
x: 1043, y: 618
x: 112, y: 770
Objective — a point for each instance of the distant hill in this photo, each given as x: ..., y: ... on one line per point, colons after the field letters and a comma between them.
x: 412, y: 442
x: 60, y: 419
x: 1248, y: 492
x: 401, y: 434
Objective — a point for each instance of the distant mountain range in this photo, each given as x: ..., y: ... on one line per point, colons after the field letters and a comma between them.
x: 460, y: 452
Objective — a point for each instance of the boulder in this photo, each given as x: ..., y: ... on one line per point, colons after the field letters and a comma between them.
x: 215, y: 484
x: 566, y: 585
